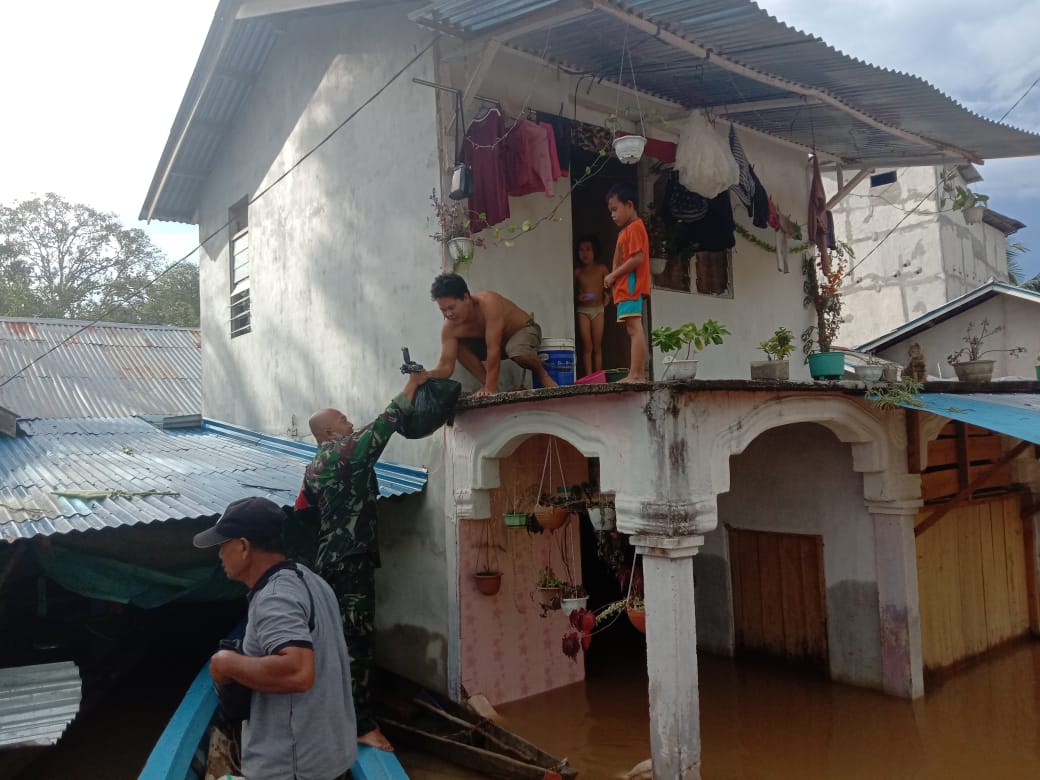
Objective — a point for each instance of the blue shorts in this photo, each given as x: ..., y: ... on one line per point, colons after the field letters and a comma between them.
x: 628, y: 309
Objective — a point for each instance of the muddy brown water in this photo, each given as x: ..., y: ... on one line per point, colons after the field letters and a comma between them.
x: 757, y: 722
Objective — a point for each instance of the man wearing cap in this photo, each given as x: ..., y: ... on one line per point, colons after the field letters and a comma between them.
x: 294, y: 658
x: 341, y: 483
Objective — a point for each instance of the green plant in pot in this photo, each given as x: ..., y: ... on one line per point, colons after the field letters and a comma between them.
x: 971, y: 204
x: 871, y: 370
x: 549, y: 588
x: 693, y: 337
x: 823, y: 293
x: 488, y: 576
x: 974, y: 368
x: 453, y: 222
x: 518, y: 506
x: 778, y: 348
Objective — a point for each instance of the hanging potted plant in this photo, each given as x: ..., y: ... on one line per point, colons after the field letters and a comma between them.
x: 518, y: 501
x: 657, y: 232
x: 488, y: 576
x: 573, y: 597
x: 600, y: 510
x: 628, y: 148
x: 870, y: 371
x: 553, y: 510
x: 974, y: 369
x: 549, y: 588
x: 971, y: 204
x: 692, y: 336
x: 823, y: 293
x: 454, y: 232
x: 776, y: 366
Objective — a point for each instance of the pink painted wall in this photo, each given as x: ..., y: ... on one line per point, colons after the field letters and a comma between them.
x: 509, y: 651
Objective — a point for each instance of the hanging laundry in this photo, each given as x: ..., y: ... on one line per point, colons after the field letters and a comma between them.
x: 528, y: 160
x: 832, y: 238
x: 712, y: 233
x: 704, y: 161
x: 591, y: 138
x: 554, y: 159
x: 483, y: 152
x: 760, y: 208
x: 745, y: 186
x: 681, y: 205
x: 817, y: 233
x: 562, y: 134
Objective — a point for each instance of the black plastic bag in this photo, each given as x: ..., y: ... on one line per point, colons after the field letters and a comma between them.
x: 432, y: 407
x: 233, y: 698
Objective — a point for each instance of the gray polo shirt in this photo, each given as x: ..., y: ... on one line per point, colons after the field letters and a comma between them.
x: 299, y: 736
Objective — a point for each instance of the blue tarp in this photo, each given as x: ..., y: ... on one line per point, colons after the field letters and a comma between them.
x: 1013, y: 414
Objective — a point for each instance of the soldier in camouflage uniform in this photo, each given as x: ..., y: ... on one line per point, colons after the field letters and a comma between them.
x: 341, y: 483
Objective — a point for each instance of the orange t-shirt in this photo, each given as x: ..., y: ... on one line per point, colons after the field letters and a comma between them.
x: 630, y: 240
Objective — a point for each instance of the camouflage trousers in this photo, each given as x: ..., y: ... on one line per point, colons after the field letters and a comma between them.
x: 353, y: 580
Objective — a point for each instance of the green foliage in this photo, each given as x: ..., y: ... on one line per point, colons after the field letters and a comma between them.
x: 780, y: 345
x: 691, y: 335
x: 974, y: 341
x: 548, y: 579
x: 906, y: 392
x: 62, y: 259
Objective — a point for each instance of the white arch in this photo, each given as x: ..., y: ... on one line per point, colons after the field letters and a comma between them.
x: 845, y: 418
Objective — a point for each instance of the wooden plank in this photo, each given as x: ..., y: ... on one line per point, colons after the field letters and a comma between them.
x: 1018, y: 577
x: 814, y: 598
x: 913, y: 441
x: 983, y: 448
x: 939, y: 484
x: 990, y: 597
x: 1029, y: 550
x: 751, y: 572
x: 986, y: 476
x: 962, y: 454
x: 772, y: 605
x: 997, y: 589
x: 942, y: 452
x: 736, y: 587
x: 795, y: 644
x: 974, y: 430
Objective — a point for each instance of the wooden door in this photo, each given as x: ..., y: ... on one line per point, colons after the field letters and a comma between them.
x: 779, y: 595
x: 972, y: 580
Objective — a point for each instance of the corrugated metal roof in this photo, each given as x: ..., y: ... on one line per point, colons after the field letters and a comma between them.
x: 147, y: 475
x: 37, y: 703
x: 1013, y: 414
x: 950, y: 309
x: 108, y: 370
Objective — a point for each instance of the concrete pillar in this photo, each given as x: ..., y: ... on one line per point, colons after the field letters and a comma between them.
x: 895, y: 555
x: 671, y: 654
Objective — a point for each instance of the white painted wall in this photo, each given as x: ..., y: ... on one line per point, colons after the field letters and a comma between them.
x: 1021, y: 321
x: 932, y: 257
x: 807, y: 475
x: 341, y: 265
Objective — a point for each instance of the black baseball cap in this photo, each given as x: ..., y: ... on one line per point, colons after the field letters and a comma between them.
x: 257, y: 519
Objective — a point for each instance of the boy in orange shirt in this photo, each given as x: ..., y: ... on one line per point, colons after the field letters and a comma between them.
x: 630, y: 277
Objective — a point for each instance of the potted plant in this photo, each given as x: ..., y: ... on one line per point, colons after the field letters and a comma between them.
x: 454, y: 222
x: 776, y: 367
x: 657, y: 232
x: 971, y: 204
x: 518, y: 501
x: 573, y: 597
x: 692, y: 336
x: 974, y: 369
x: 890, y: 372
x: 552, y: 511
x: 869, y: 371
x: 549, y: 588
x: 823, y: 292
x: 488, y: 576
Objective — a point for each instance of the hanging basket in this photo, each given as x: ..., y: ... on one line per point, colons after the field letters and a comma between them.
x: 461, y: 249
x: 658, y: 265
x: 629, y: 148
x: 488, y: 583
x: 549, y: 597
x: 516, y: 519
x: 637, y: 617
x: 551, y: 517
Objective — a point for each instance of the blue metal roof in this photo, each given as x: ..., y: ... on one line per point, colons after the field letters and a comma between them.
x: 1013, y: 414
x: 780, y: 64
x: 147, y: 475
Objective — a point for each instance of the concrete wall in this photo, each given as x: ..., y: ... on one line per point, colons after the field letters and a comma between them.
x: 807, y: 475
x: 335, y: 250
x: 932, y: 257
x: 1021, y: 320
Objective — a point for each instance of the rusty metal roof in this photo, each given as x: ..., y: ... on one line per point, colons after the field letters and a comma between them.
x: 108, y: 370
x: 65, y: 475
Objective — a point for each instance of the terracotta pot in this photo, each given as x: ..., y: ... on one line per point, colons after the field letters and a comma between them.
x: 775, y: 370
x: 489, y: 584
x: 549, y: 597
x: 638, y: 619
x: 974, y: 371
x: 551, y: 517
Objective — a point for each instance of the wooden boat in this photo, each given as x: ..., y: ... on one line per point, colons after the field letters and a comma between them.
x: 182, y: 750
x: 456, y: 734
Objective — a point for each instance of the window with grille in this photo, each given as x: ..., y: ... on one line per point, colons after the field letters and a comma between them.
x: 238, y: 226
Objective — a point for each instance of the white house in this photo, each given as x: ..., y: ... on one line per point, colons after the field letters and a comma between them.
x: 306, y: 147
x: 932, y: 256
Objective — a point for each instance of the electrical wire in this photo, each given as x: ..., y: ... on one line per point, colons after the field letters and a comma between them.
x: 1015, y: 105
x: 223, y: 227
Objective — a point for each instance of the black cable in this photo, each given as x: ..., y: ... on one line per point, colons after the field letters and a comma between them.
x: 220, y: 229
x: 1030, y: 89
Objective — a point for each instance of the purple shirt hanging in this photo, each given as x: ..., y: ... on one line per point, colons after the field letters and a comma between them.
x: 483, y: 151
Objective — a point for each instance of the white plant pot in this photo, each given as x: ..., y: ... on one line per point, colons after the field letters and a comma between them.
x: 679, y: 369
x: 973, y: 214
x: 461, y: 249
x: 869, y: 372
x: 658, y: 264
x: 602, y: 518
x: 569, y: 605
x: 629, y: 148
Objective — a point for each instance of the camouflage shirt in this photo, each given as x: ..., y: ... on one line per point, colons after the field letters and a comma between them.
x: 341, y: 483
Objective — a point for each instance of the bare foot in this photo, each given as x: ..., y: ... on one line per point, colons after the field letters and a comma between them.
x: 628, y: 380
x: 375, y: 738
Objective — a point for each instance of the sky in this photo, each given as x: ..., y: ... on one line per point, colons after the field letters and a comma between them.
x: 90, y: 100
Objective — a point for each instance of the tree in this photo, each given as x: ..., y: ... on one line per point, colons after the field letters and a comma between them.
x: 62, y: 259
x: 1016, y: 273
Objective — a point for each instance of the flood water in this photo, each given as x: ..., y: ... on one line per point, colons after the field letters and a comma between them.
x: 757, y: 722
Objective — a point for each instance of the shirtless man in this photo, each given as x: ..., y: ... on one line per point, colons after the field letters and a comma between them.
x: 484, y: 326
